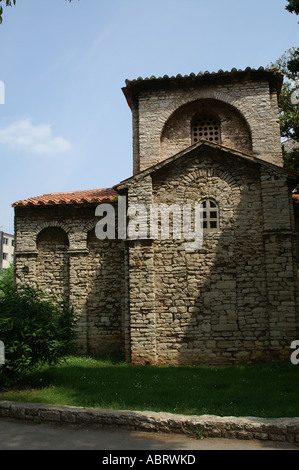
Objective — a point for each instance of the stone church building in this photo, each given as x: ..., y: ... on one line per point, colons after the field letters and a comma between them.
x: 211, y: 139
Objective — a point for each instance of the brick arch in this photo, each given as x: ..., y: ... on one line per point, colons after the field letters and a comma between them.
x: 201, y: 95
x: 56, y: 234
x: 176, y: 131
x: 69, y: 230
x: 89, y: 227
x: 216, y: 172
x: 229, y: 198
x: 91, y: 239
x: 51, y: 224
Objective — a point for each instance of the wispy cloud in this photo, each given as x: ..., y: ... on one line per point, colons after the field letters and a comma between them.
x: 37, y: 139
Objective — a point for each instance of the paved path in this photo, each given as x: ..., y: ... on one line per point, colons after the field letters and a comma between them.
x: 19, y: 435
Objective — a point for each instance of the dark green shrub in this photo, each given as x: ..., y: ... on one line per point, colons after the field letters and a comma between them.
x: 6, y: 278
x: 35, y: 329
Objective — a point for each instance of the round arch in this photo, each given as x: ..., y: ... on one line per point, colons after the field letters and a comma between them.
x: 52, y: 235
x: 176, y: 134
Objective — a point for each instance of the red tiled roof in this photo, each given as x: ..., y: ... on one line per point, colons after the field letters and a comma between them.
x: 233, y: 72
x: 134, y: 85
x: 70, y: 197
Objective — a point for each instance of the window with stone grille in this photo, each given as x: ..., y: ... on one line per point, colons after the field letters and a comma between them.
x: 210, y: 215
x: 206, y: 127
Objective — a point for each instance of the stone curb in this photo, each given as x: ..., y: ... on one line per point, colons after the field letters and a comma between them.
x: 282, y: 429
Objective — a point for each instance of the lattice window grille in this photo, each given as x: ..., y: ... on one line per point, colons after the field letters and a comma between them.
x: 210, y: 216
x: 206, y: 127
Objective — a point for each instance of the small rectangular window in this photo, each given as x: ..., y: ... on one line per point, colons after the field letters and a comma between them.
x: 205, y: 127
x: 210, y: 216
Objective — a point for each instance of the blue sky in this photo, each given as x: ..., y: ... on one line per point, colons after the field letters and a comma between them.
x: 65, y: 124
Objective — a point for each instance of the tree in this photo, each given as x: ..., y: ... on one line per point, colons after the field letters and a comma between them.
x: 35, y: 329
x: 288, y: 104
x: 9, y: 3
x: 293, y: 6
x: 288, y: 64
x: 6, y: 278
x: 289, y: 107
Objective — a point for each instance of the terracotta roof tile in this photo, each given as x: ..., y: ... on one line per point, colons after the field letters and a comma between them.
x: 70, y: 197
x: 220, y: 72
x: 133, y: 85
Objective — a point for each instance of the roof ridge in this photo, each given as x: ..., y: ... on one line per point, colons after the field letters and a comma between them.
x: 70, y: 197
x: 78, y: 191
x: 206, y: 73
x: 202, y: 142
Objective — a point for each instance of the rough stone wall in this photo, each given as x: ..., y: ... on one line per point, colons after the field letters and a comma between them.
x: 255, y: 101
x: 141, y: 316
x: 176, y: 135
x: 57, y: 249
x: 52, y: 261
x: 231, y: 300
x: 105, y: 294
x: 234, y: 299
x: 281, y: 265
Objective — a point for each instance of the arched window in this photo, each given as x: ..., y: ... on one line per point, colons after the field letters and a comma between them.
x: 205, y: 126
x: 210, y: 215
x: 51, y: 239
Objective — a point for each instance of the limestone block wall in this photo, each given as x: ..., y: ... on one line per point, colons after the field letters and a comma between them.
x: 235, y: 298
x: 234, y: 131
x: 243, y: 101
x: 141, y: 288
x: 105, y: 294
x: 53, y: 271
x: 56, y: 248
x: 280, y: 240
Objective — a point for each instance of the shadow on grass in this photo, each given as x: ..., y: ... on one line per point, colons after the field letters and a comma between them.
x: 264, y: 390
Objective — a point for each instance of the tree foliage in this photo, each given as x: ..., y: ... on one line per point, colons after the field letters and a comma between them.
x: 293, y: 6
x: 293, y: 64
x: 34, y: 328
x: 6, y: 278
x: 9, y: 3
x: 289, y: 102
x: 289, y: 105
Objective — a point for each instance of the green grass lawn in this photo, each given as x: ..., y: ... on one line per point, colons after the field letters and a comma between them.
x: 264, y: 390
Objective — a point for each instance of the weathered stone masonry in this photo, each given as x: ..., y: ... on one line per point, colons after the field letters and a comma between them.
x: 233, y: 299
x: 68, y: 260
